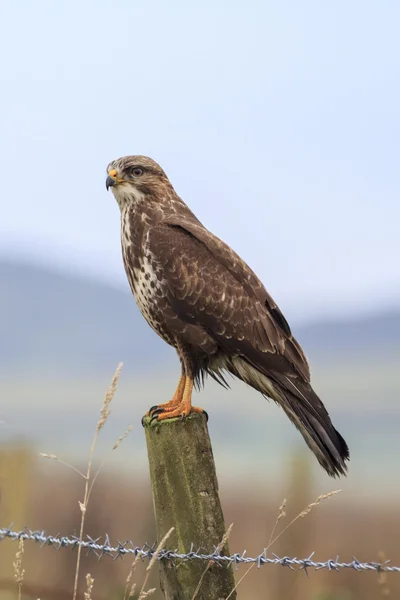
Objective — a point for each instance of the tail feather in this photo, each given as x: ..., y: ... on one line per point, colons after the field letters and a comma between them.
x: 304, y: 409
x: 320, y: 435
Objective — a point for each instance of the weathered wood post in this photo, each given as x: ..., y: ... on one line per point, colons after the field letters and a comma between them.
x: 185, y: 496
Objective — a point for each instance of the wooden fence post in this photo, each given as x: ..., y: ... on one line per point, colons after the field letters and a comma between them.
x: 185, y: 496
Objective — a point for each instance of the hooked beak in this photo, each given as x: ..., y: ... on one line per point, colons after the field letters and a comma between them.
x: 110, y: 181
x: 112, y: 178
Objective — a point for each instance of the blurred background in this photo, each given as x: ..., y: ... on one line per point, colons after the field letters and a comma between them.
x: 279, y: 124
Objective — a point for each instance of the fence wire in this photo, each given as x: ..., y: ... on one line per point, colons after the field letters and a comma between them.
x: 106, y: 548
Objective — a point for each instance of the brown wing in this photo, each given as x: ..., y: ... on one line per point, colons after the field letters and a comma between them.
x: 209, y: 285
x: 206, y: 284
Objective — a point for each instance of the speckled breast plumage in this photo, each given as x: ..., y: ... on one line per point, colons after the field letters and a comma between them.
x: 144, y: 274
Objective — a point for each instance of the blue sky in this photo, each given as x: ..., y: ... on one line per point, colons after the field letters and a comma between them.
x: 277, y: 122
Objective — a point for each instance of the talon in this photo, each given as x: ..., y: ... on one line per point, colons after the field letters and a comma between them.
x: 206, y: 415
x: 153, y: 418
x: 180, y: 406
x: 153, y: 413
x: 157, y: 412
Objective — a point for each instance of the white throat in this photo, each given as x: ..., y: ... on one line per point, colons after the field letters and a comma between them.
x: 127, y: 195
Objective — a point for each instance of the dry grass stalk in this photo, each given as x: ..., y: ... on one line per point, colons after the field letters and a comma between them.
x: 19, y: 572
x: 282, y: 512
x: 301, y: 514
x: 304, y: 512
x: 281, y: 515
x: 160, y: 547
x: 104, y: 414
x: 116, y: 445
x: 89, y: 586
x: 105, y: 409
x: 131, y: 591
x: 317, y: 501
x: 44, y: 455
x: 122, y: 437
x: 130, y: 588
x: 144, y: 595
x: 382, y: 577
x: 210, y: 562
x: 63, y: 462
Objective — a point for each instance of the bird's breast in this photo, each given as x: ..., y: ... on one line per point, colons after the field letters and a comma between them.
x: 143, y: 272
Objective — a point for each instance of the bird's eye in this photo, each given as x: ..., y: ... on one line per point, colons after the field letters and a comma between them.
x: 137, y: 171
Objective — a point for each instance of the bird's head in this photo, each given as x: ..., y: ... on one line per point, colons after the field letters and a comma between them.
x: 133, y: 177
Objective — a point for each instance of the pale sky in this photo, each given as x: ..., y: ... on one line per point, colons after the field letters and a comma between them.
x: 277, y: 122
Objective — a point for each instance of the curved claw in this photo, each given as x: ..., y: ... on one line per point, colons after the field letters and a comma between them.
x: 159, y: 411
x: 173, y: 414
x: 155, y: 413
x: 153, y: 408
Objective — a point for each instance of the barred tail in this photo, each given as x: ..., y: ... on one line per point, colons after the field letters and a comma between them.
x: 320, y: 435
x: 304, y: 409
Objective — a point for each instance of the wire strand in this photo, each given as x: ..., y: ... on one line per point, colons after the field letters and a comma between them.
x: 106, y: 548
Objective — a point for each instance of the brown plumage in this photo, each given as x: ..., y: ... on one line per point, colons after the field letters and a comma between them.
x: 204, y: 300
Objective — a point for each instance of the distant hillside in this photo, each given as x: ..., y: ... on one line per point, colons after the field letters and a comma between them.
x: 369, y: 335
x: 56, y: 322
x: 63, y: 323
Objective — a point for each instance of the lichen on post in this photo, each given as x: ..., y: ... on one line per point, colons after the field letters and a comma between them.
x: 185, y: 496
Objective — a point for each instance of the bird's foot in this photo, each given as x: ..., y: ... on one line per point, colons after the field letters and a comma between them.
x: 180, y: 406
x: 182, y: 410
x: 176, y: 399
x: 168, y: 406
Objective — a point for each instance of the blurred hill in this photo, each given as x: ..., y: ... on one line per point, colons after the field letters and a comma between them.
x: 70, y: 324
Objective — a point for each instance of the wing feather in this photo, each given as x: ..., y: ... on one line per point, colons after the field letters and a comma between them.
x: 209, y: 285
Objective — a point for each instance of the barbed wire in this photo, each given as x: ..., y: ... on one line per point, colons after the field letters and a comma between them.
x: 121, y: 549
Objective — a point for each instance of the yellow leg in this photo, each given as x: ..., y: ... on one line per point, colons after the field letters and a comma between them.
x: 183, y: 408
x: 175, y: 400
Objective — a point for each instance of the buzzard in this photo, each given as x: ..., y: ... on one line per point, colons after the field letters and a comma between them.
x: 205, y: 301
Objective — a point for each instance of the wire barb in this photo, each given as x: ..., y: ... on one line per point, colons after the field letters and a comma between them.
x: 94, y: 545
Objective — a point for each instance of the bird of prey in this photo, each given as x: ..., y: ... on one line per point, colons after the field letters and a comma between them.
x: 207, y: 303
